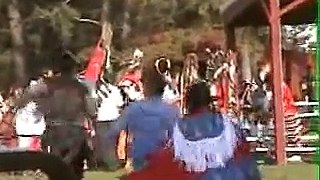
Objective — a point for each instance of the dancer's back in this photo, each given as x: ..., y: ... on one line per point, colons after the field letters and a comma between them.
x: 208, y: 132
x: 65, y: 100
x: 209, y: 143
x: 150, y: 123
x: 202, y: 126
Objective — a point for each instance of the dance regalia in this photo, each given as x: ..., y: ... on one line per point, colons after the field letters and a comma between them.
x: 170, y: 95
x: 288, y: 101
x: 294, y: 126
x: 218, y: 95
x: 206, y: 146
x: 30, y: 125
x: 96, y: 61
x: 134, y: 77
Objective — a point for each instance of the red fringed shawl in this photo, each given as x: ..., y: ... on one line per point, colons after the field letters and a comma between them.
x: 162, y: 166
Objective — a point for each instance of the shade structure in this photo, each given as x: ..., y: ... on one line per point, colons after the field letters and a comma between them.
x: 273, y: 13
x: 240, y: 13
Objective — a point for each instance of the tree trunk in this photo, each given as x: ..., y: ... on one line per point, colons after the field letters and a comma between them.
x: 107, y: 31
x: 106, y: 35
x: 126, y: 28
x: 16, y: 30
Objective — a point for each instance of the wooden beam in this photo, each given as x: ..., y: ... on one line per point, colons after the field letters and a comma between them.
x: 306, y: 103
x: 292, y: 149
x: 294, y: 4
x: 277, y: 74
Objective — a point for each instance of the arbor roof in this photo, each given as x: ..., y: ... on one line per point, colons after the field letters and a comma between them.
x: 239, y: 13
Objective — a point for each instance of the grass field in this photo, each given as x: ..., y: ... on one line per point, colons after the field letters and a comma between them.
x: 298, y: 171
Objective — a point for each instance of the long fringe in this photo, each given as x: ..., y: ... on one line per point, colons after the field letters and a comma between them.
x: 201, y: 155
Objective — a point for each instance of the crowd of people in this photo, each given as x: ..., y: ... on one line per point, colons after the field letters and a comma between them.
x: 136, y: 121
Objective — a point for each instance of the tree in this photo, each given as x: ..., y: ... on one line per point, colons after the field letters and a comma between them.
x: 49, y: 27
x: 18, y: 43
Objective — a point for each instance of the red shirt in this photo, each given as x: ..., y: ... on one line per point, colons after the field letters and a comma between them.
x: 96, y: 61
x: 288, y: 101
x: 134, y: 77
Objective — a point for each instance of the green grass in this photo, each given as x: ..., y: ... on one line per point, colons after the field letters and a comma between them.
x: 290, y: 172
x: 298, y: 171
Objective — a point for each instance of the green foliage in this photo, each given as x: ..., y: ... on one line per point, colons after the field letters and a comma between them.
x: 61, y: 18
x: 49, y: 25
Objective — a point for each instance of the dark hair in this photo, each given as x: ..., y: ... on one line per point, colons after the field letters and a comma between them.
x: 151, y: 79
x: 198, y: 95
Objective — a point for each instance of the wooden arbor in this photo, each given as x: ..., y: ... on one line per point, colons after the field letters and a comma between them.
x: 273, y: 13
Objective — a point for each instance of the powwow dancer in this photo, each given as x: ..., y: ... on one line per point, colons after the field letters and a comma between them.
x: 206, y: 146
x: 93, y: 70
x: 131, y: 74
x: 170, y: 93
x: 222, y: 77
x: 294, y: 126
x: 149, y: 122
x: 129, y: 81
x: 7, y: 129
x: 110, y: 102
x: 190, y: 74
x: 65, y: 110
x: 215, y: 68
x: 30, y: 122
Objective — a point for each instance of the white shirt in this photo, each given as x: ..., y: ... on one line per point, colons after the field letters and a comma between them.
x: 213, y: 90
x: 109, y: 108
x: 29, y: 121
x: 169, y: 94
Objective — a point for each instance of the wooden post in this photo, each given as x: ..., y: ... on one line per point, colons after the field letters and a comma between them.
x: 317, y: 71
x: 317, y: 84
x: 276, y: 49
